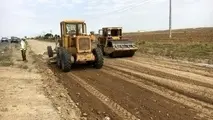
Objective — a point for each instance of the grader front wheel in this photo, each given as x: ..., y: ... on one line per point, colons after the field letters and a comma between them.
x: 65, y: 61
x: 99, y: 60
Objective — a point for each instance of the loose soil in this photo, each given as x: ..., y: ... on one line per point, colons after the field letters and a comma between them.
x: 136, y: 96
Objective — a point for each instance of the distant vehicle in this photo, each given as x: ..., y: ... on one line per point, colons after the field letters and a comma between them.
x: 15, y: 40
x: 4, y: 39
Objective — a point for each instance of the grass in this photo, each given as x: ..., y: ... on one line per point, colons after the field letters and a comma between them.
x: 190, y: 51
x: 194, y: 45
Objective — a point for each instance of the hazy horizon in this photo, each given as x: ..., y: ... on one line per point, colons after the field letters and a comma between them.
x: 32, y: 18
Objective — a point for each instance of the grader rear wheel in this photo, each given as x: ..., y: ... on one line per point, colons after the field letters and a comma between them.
x: 58, y: 58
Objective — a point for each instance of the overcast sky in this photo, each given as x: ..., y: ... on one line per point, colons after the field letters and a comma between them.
x: 33, y: 17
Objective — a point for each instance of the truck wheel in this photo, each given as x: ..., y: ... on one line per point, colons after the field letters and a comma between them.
x: 99, y: 60
x: 65, y: 61
x: 50, y: 51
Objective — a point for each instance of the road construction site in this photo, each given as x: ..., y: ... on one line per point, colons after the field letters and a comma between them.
x: 138, y: 87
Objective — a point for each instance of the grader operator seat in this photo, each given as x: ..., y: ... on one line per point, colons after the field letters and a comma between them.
x: 72, y: 32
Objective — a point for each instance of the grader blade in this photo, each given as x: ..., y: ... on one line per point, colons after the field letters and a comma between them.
x: 122, y: 48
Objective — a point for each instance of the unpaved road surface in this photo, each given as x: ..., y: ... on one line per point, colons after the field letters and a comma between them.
x: 21, y: 91
x: 25, y: 92
x: 136, y: 88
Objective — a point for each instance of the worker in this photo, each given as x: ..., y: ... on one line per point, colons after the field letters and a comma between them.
x: 23, y: 49
x: 92, y: 35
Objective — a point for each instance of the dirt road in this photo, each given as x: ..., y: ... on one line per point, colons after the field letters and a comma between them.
x: 137, y: 88
x: 21, y: 90
x: 25, y: 92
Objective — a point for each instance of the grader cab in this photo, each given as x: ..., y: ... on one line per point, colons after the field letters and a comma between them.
x: 112, y: 44
x: 75, y: 46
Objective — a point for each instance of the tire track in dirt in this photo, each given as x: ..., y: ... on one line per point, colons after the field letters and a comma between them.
x: 159, y: 73
x: 186, y: 76
x: 123, y: 113
x: 151, y: 72
x: 189, y: 65
x: 140, y: 102
x: 177, y: 73
x: 91, y: 101
x: 87, y: 102
x: 70, y: 78
x: 177, y: 67
x: 69, y: 81
x: 194, y: 91
x: 204, y: 110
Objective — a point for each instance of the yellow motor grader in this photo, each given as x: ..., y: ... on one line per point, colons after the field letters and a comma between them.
x: 112, y: 44
x: 75, y: 46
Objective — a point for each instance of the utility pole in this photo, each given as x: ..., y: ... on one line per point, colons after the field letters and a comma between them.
x: 170, y: 18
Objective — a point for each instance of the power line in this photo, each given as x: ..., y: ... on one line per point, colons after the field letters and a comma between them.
x: 129, y: 4
x: 134, y: 5
x: 141, y: 3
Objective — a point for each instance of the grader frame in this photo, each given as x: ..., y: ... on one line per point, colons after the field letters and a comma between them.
x: 75, y: 46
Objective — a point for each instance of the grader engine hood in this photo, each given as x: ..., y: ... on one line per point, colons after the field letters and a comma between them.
x: 83, y: 44
x: 84, y: 47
